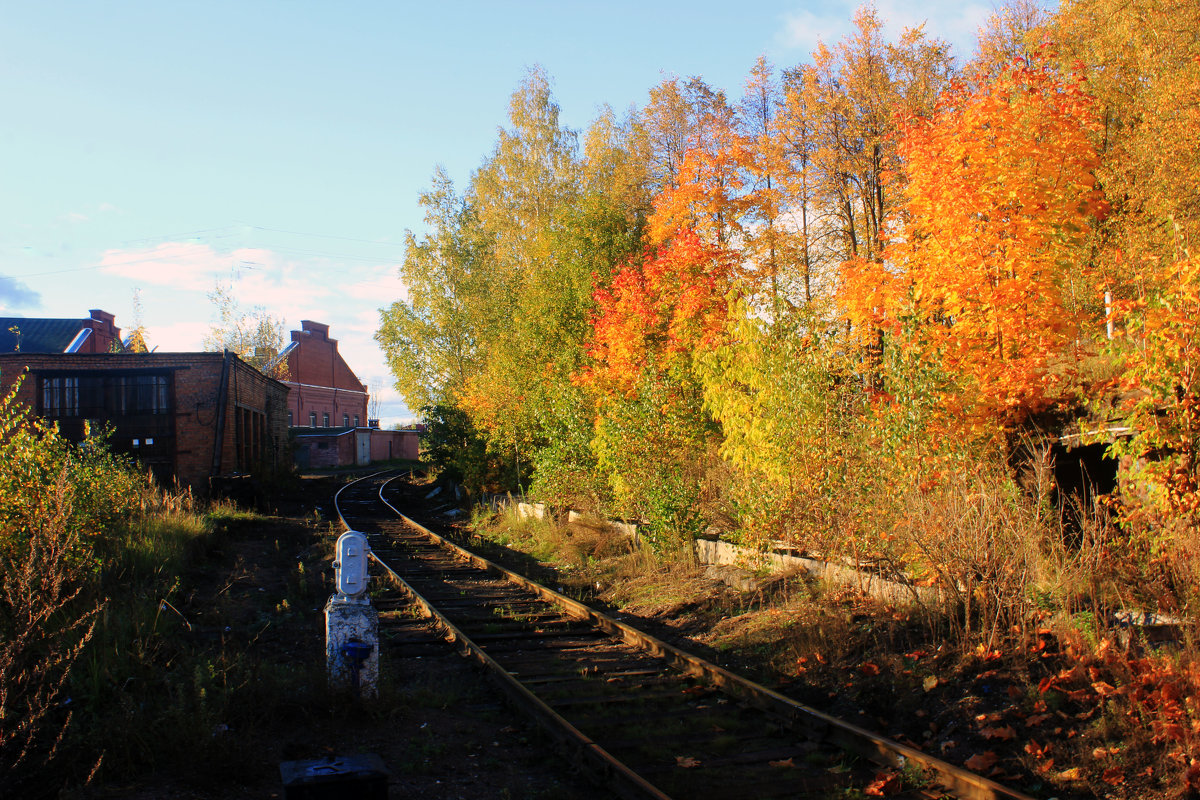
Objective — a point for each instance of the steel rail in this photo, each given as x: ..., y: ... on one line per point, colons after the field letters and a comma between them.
x: 821, y: 726
x: 580, y: 748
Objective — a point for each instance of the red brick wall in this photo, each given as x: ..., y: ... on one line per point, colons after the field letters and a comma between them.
x: 105, y: 334
x: 320, y: 380
x: 403, y: 444
x: 258, y: 445
x: 326, y: 452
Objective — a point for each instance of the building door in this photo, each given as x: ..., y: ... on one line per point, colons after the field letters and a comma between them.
x: 363, y: 440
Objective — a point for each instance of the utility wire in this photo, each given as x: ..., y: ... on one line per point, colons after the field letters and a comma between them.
x: 325, y: 236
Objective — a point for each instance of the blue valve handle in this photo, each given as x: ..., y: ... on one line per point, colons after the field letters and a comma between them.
x: 356, y: 651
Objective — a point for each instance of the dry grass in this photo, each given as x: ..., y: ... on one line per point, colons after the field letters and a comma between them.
x: 47, y: 619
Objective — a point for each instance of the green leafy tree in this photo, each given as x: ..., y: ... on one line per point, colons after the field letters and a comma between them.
x: 431, y: 339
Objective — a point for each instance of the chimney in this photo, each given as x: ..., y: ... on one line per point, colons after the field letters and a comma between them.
x: 316, y: 329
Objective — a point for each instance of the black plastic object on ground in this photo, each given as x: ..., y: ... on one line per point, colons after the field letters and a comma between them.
x: 362, y: 777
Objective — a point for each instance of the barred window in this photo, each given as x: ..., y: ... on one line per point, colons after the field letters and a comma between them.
x: 142, y: 394
x: 105, y: 396
x: 60, y: 397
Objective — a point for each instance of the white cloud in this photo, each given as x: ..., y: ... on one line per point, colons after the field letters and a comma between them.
x: 180, y: 265
x: 956, y: 22
x: 176, y: 278
x: 803, y: 29
x: 175, y: 337
x: 381, y: 289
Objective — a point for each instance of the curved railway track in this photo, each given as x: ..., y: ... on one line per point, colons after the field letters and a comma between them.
x: 651, y: 720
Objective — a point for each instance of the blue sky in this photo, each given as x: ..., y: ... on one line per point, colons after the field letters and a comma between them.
x: 280, y: 147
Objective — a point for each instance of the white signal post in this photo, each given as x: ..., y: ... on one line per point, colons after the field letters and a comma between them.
x: 351, y: 623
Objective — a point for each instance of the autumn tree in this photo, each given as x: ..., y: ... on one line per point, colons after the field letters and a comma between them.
x: 431, y: 339
x: 1015, y: 31
x: 808, y: 260
x: 519, y: 192
x: 601, y: 230
x: 500, y: 287
x: 861, y: 84
x: 1141, y: 64
x: 254, y: 334
x: 692, y: 128
x: 999, y: 198
x: 794, y: 428
x: 138, y: 339
x: 652, y: 437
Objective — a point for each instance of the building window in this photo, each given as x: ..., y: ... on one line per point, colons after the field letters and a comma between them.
x: 312, y: 419
x: 356, y: 420
x: 106, y: 396
x: 141, y: 394
x: 326, y: 419
x: 345, y: 420
x: 289, y: 418
x: 60, y: 397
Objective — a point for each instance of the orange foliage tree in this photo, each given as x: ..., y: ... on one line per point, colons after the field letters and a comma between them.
x: 989, y: 258
x: 658, y: 312
x: 651, y: 435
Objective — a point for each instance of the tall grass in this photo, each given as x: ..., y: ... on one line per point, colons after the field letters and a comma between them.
x: 97, y: 670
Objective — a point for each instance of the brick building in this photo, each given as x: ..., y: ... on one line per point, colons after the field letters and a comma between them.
x: 340, y: 447
x: 325, y: 392
x: 327, y: 407
x: 96, y: 334
x: 189, y: 417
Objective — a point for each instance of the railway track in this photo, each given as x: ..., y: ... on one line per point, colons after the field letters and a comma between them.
x: 649, y: 719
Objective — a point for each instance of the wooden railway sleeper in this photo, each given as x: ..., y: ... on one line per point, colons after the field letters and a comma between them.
x: 849, y: 736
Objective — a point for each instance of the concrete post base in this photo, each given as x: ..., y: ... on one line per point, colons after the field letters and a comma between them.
x: 352, y: 624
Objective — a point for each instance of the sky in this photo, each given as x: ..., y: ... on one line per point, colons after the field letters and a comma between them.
x: 158, y: 149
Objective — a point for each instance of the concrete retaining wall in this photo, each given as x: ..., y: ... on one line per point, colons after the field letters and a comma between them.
x: 888, y: 591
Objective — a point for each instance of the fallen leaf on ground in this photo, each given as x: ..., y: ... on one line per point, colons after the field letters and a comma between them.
x: 1113, y: 776
x: 885, y: 784
x: 687, y: 762
x: 981, y: 761
x: 869, y: 668
x: 787, y: 762
x: 1036, y: 750
x: 1003, y: 734
x: 1072, y: 774
x: 930, y: 683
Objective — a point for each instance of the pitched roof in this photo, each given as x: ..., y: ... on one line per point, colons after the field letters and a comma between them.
x: 38, y: 335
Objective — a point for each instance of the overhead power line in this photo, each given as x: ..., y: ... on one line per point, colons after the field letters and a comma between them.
x: 226, y: 230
